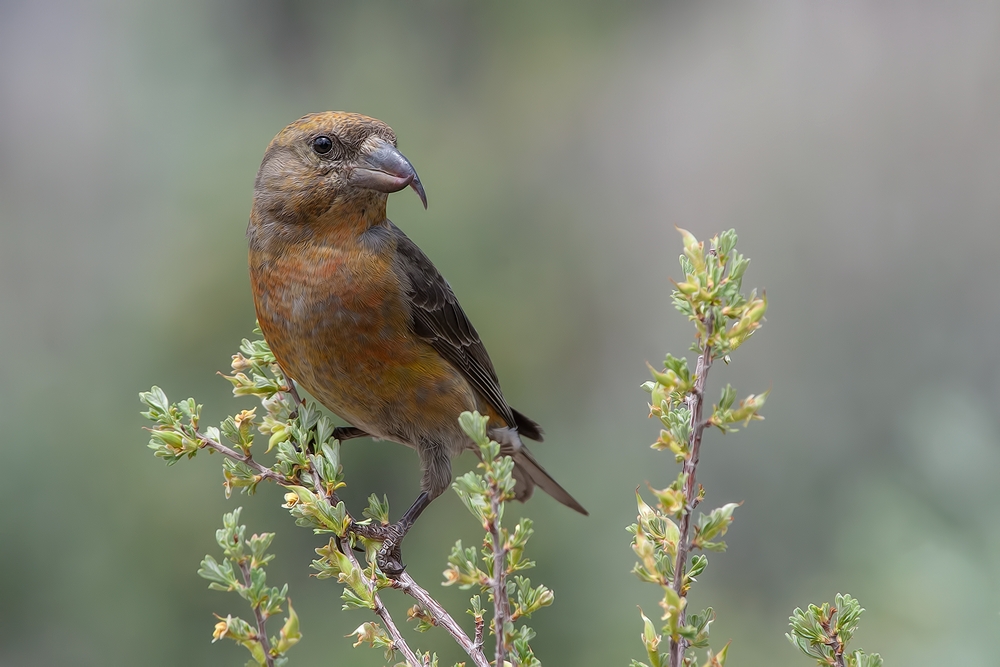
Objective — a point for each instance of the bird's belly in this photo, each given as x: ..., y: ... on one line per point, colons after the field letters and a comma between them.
x: 346, y: 339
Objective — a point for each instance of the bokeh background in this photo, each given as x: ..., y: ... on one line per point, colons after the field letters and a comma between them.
x: 855, y: 146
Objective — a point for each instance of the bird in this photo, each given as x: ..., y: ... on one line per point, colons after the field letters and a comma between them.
x: 355, y: 313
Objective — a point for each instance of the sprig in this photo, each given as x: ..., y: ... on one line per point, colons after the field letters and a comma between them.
x: 305, y: 452
x: 664, y: 536
x: 501, y: 555
x: 822, y: 633
x: 242, y: 570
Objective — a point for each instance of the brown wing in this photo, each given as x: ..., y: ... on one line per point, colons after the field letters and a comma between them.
x: 438, y: 318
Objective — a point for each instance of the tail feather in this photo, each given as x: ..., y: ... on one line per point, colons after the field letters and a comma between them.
x: 529, y: 473
x: 527, y: 427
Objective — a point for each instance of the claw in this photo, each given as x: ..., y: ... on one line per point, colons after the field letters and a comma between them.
x: 389, y: 557
x: 390, y: 560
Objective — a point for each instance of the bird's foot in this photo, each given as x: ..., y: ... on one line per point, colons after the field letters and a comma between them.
x: 389, y: 557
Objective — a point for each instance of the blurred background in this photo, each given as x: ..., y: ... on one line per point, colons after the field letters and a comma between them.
x: 854, y: 146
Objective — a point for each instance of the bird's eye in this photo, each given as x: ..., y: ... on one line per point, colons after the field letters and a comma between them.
x: 322, y: 145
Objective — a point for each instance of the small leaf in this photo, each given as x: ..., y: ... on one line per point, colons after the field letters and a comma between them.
x: 651, y: 640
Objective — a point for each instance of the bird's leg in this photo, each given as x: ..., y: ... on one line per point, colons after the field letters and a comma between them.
x: 348, y: 433
x: 389, y: 558
x: 436, y: 463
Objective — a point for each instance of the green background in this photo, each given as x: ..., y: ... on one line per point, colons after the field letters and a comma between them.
x: 854, y: 146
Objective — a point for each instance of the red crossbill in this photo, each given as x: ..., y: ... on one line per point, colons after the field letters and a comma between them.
x: 358, y: 315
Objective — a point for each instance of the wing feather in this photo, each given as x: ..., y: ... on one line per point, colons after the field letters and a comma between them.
x: 438, y: 318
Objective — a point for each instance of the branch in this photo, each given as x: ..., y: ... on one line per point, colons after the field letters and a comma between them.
x: 262, y: 470
x: 501, y: 605
x: 293, y: 392
x: 833, y: 640
x: 397, y: 638
x: 261, y: 621
x: 477, y: 643
x: 696, y: 401
x: 172, y: 446
x: 406, y: 584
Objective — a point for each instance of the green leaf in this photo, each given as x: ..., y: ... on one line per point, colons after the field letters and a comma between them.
x: 672, y: 605
x: 222, y: 575
x: 377, y: 510
x: 727, y: 399
x: 861, y: 659
x: 374, y: 635
x: 159, y: 406
x: 849, y: 612
x: 289, y: 635
x: 463, y: 568
x: 474, y: 425
x: 698, y: 564
x: 265, y: 601
x: 712, y: 525
x: 694, y: 251
x: 672, y: 499
x: 818, y: 630
x: 718, y: 659
x: 315, y: 512
x: 258, y: 546
x: 528, y: 599
x: 651, y: 640
x: 726, y: 243
x: 236, y: 474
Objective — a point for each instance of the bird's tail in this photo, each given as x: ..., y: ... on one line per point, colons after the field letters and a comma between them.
x: 528, y: 474
x: 529, y: 428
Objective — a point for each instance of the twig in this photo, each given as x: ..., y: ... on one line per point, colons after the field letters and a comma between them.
x: 477, y: 642
x: 397, y: 638
x: 833, y: 640
x: 696, y: 401
x: 406, y: 584
x: 261, y: 470
x: 294, y: 393
x: 501, y: 605
x: 261, y: 621
x: 398, y: 641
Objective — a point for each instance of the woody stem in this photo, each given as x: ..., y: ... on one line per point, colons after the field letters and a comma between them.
x: 695, y: 401
x: 398, y: 641
x: 262, y: 470
x: 405, y: 582
x: 501, y: 605
x: 265, y: 645
x: 441, y: 617
x: 833, y: 640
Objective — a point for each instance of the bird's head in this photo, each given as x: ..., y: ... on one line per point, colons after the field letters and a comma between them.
x: 328, y: 162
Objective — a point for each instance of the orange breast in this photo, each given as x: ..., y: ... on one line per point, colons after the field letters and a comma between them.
x: 338, y: 323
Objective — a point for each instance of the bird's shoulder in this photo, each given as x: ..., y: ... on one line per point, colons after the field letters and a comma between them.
x: 422, y: 280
